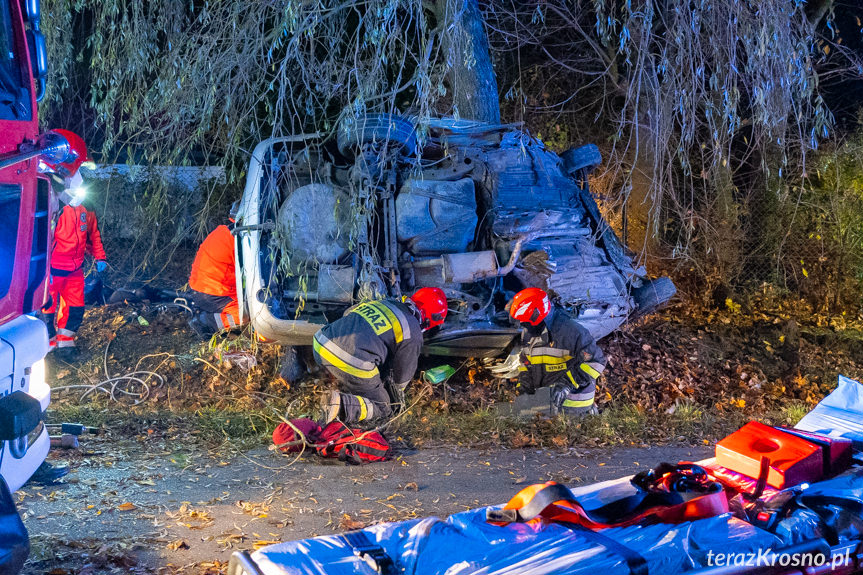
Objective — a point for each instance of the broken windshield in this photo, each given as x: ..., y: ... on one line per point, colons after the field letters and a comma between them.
x: 14, y: 92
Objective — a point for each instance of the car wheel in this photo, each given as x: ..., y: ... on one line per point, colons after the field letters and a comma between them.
x: 376, y: 128
x: 653, y: 294
x: 583, y: 158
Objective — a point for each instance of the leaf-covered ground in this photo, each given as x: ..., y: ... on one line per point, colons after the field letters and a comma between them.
x: 681, y: 375
x: 180, y: 477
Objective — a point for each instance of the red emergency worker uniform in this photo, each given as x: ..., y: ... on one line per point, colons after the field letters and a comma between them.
x: 75, y: 235
x: 213, y: 277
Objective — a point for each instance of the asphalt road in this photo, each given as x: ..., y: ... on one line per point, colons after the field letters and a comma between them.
x: 163, y: 506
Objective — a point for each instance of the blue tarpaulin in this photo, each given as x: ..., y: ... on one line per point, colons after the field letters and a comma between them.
x: 464, y: 543
x: 840, y: 414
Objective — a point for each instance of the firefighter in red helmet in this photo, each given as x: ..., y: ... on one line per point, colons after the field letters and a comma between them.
x: 373, y: 351
x: 557, y: 352
x: 76, y: 235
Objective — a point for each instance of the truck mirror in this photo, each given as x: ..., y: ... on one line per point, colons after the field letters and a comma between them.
x: 38, y: 60
x: 36, y: 44
x: 34, y: 13
x: 54, y: 148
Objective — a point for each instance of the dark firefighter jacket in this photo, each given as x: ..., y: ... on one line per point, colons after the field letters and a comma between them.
x: 373, y: 336
x: 562, y: 352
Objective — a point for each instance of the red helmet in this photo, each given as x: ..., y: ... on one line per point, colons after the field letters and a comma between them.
x: 431, y: 303
x: 530, y: 305
x: 77, y: 155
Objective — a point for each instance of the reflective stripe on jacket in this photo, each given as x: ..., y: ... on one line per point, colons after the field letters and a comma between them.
x: 75, y: 235
x: 562, y: 353
x: 213, y: 268
x: 373, y: 336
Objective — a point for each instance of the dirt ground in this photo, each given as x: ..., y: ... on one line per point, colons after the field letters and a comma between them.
x: 162, y: 505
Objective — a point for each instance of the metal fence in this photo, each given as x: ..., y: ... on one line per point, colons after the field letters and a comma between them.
x: 807, y: 242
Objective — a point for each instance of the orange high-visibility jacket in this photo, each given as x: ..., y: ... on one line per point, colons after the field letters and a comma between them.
x: 213, y: 268
x: 76, y: 234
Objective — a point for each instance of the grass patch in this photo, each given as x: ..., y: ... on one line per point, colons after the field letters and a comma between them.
x: 792, y: 413
x: 91, y: 415
x: 240, y: 425
x: 208, y: 425
x: 623, y: 424
x: 617, y: 425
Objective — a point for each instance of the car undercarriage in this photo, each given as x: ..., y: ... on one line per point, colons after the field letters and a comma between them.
x: 380, y: 208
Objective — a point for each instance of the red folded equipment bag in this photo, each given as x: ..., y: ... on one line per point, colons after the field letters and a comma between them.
x: 352, y: 445
x: 667, y: 494
x: 791, y: 460
x: 287, y: 440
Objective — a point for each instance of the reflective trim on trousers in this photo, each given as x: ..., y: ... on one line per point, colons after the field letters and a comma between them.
x: 357, y: 408
x: 225, y: 320
x: 65, y: 338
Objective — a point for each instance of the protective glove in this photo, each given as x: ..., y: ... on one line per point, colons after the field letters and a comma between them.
x: 509, y: 368
x: 526, y: 385
x: 101, y: 266
x: 400, y: 404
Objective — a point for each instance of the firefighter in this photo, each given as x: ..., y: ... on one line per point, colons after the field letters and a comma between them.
x: 557, y: 352
x: 76, y: 234
x: 213, y: 281
x: 373, y: 352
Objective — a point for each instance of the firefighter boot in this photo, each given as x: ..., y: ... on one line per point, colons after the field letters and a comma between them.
x: 397, y: 396
x: 66, y: 350
x: 331, y: 406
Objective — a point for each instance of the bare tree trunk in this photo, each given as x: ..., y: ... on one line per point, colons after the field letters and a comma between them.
x: 640, y: 203
x: 471, y: 75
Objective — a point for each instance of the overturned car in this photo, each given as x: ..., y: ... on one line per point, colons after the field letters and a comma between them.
x: 380, y: 208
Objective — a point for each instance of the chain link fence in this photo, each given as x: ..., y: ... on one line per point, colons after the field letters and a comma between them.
x: 807, y: 241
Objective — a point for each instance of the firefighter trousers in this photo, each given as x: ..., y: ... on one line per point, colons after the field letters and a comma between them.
x: 362, y: 398
x: 67, y: 307
x: 217, y: 312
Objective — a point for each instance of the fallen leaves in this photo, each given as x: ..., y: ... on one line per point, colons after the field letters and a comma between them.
x: 126, y: 506
x: 520, y: 439
x: 177, y: 545
x: 191, y: 518
x: 347, y: 523
x: 259, y: 510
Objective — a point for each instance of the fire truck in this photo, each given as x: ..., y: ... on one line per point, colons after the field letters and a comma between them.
x: 26, y: 209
